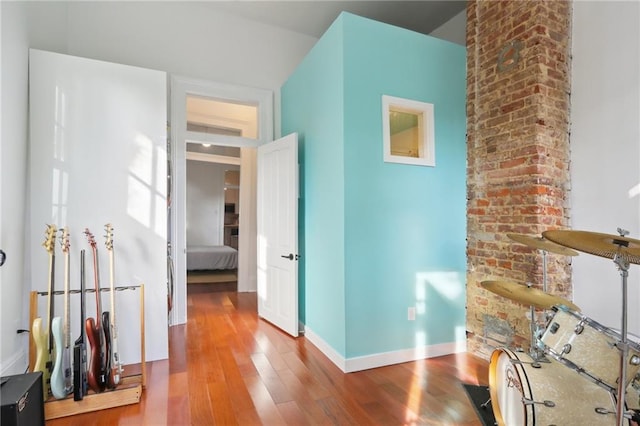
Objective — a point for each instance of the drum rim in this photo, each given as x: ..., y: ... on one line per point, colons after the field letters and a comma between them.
x: 495, y: 404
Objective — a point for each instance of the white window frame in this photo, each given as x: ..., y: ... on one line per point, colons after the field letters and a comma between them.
x: 426, y: 125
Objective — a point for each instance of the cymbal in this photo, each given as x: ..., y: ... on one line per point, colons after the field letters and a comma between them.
x: 527, y: 295
x: 603, y: 245
x: 542, y: 244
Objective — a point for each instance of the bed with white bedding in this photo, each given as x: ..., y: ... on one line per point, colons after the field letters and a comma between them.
x: 208, y: 258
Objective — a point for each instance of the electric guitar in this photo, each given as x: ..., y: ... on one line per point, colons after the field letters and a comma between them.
x: 79, y: 348
x: 41, y: 335
x: 61, y: 375
x: 96, y: 372
x: 109, y: 320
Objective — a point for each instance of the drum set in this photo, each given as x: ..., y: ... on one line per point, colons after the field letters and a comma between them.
x: 577, y: 371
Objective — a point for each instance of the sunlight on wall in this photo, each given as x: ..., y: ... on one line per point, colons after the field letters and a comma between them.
x: 59, y: 178
x: 59, y: 194
x: 160, y: 223
x: 146, y: 202
x: 635, y: 191
x: 447, y: 284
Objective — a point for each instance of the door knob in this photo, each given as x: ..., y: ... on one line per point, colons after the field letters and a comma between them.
x: 290, y: 256
x: 3, y: 257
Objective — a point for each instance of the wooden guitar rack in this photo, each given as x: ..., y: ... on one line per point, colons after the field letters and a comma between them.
x: 128, y: 391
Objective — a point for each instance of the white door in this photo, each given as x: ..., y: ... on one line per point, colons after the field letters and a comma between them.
x: 278, y: 233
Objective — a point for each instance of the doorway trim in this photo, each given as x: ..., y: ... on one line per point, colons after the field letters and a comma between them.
x: 180, y: 87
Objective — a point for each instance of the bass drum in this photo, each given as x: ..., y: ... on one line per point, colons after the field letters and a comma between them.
x: 546, y: 393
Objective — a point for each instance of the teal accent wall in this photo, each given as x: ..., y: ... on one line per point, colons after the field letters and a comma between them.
x: 379, y: 237
x: 313, y: 106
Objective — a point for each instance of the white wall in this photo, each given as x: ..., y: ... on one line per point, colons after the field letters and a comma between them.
x: 18, y: 34
x: 605, y: 154
x: 190, y: 39
x: 13, y: 169
x: 97, y: 149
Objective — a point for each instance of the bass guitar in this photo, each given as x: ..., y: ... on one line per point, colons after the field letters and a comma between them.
x: 79, y: 348
x: 61, y: 385
x: 109, y: 319
x: 96, y: 377
x: 40, y: 332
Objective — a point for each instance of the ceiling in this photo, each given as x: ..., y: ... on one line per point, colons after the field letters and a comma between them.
x: 314, y: 17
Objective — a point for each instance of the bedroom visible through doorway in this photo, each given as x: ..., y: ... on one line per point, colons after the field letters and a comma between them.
x: 213, y: 217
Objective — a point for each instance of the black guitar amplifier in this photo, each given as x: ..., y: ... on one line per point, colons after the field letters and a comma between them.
x: 21, y: 400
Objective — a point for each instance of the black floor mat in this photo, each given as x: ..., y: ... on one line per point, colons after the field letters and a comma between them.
x: 480, y: 399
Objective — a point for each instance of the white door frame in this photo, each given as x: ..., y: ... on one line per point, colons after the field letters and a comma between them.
x: 180, y: 88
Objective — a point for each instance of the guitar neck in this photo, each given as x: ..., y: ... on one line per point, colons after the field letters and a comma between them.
x: 112, y: 289
x: 96, y: 280
x: 50, y: 299
x: 67, y: 327
x: 82, y: 297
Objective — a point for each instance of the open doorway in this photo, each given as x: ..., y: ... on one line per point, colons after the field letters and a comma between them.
x: 207, y: 113
x: 213, y: 218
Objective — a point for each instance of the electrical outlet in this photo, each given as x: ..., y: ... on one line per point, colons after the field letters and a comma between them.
x: 411, y: 314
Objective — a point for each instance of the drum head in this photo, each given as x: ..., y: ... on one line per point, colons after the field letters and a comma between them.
x: 506, y: 388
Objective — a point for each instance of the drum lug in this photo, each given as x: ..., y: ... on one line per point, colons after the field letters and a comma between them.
x: 579, y: 328
x: 634, y: 360
x: 566, y: 349
x: 534, y: 364
x: 546, y: 402
x: 553, y: 328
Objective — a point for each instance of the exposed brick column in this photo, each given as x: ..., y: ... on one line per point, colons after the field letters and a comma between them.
x: 518, y: 158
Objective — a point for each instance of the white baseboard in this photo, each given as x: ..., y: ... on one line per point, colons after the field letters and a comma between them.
x: 349, y: 365
x: 16, y: 364
x: 325, y: 348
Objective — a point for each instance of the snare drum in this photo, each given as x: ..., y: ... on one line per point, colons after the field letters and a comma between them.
x: 589, y: 347
x: 548, y: 394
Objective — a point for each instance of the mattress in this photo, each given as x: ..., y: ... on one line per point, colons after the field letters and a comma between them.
x: 200, y: 258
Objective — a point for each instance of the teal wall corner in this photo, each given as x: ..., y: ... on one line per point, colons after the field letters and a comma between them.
x: 379, y: 237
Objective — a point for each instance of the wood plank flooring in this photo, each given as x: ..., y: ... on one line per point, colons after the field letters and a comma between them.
x: 227, y: 367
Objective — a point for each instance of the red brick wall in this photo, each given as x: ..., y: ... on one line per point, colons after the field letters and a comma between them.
x: 518, y: 158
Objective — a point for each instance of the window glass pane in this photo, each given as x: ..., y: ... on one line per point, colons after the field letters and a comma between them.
x: 405, y: 137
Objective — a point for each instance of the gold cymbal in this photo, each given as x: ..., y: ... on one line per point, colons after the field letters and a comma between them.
x: 542, y: 244
x: 603, y: 245
x: 527, y: 295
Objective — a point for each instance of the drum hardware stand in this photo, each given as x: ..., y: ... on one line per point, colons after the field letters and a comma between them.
x: 623, y: 346
x: 535, y: 352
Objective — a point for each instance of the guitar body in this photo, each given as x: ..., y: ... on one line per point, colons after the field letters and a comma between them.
x: 107, y: 348
x: 113, y: 373
x: 40, y: 338
x: 79, y: 371
x: 57, y: 374
x: 95, y: 374
x: 79, y: 348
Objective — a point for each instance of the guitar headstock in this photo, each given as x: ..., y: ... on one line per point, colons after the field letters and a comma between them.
x: 90, y: 239
x: 64, y: 239
x: 109, y: 242
x: 49, y: 242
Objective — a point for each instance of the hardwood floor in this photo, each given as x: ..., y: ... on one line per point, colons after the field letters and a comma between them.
x: 227, y: 367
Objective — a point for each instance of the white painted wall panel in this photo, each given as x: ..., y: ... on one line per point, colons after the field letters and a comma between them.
x: 605, y: 150
x: 97, y: 156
